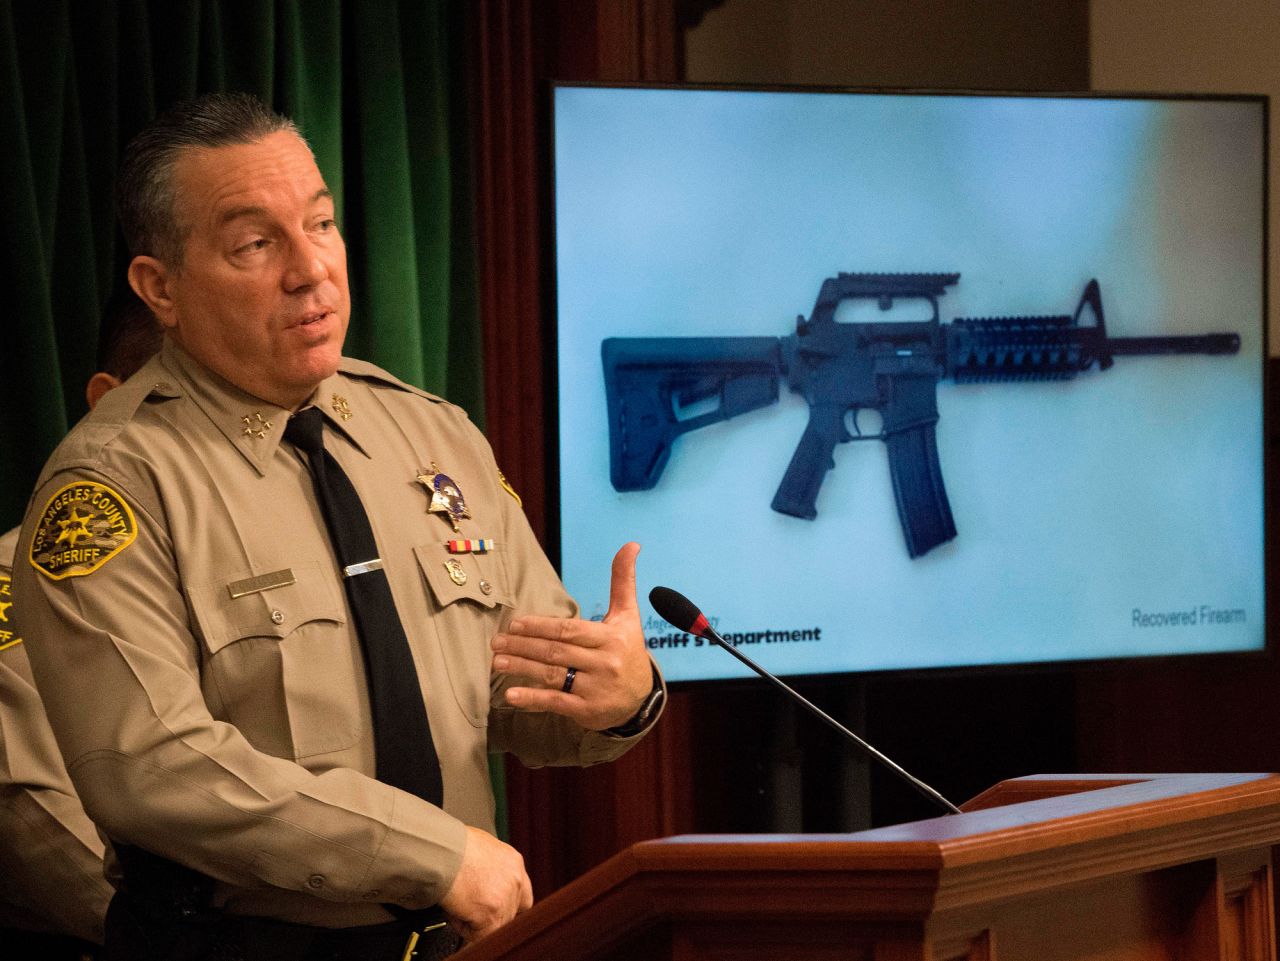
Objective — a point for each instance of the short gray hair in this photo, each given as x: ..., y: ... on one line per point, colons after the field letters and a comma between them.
x: 145, y: 192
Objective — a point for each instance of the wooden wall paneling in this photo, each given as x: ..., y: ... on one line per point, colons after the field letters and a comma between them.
x: 640, y: 41
x: 505, y: 55
x: 564, y: 821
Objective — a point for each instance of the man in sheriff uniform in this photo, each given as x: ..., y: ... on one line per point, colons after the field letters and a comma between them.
x: 54, y: 895
x: 210, y: 683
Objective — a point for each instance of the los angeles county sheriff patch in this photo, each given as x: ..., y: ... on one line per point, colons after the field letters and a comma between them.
x: 8, y: 630
x: 82, y: 527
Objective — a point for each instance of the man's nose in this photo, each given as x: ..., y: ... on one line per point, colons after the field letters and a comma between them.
x: 306, y: 267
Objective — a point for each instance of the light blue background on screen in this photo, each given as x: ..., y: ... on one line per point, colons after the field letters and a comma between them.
x: 683, y: 213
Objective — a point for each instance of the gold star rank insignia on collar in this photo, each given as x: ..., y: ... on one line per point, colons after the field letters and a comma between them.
x: 341, y: 407
x: 446, y: 496
x: 255, y: 425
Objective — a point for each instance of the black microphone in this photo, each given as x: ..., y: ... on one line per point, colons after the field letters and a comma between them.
x: 680, y: 612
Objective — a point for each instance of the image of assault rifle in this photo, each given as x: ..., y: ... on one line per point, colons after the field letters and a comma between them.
x: 658, y: 388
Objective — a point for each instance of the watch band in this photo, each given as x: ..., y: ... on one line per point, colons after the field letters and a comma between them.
x: 648, y: 710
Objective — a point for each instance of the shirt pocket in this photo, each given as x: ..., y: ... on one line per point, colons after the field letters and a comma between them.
x: 284, y: 665
x: 472, y: 603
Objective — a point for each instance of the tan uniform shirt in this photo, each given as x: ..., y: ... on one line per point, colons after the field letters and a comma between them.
x: 199, y: 661
x: 50, y: 854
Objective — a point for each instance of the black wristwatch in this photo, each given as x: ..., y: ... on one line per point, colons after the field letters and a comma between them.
x: 648, y: 710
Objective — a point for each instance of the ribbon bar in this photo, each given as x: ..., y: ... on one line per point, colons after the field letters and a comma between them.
x: 472, y: 546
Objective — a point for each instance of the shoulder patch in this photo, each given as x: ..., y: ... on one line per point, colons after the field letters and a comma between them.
x: 8, y: 629
x: 83, y: 526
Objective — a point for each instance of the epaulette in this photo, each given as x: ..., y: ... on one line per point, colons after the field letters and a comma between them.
x: 115, y: 410
x: 367, y: 371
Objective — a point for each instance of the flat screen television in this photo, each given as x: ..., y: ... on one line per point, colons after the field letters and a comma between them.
x: 1042, y: 318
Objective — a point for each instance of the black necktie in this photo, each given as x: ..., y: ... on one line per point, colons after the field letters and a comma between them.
x: 406, y: 755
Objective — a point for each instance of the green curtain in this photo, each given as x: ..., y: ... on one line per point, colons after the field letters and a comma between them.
x: 376, y: 87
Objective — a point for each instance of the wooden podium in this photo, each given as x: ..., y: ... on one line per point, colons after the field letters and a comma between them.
x: 1048, y: 868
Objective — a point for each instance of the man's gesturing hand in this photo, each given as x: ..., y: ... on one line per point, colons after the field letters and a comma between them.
x: 612, y: 675
x: 490, y: 889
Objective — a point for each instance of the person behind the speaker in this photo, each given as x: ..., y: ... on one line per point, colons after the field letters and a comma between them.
x: 54, y: 897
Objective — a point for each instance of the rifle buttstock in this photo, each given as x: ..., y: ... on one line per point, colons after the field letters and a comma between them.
x: 657, y: 388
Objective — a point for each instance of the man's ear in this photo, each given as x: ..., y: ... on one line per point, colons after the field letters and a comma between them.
x: 149, y: 279
x: 99, y: 384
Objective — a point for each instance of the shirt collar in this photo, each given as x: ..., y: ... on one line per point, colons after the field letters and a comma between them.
x: 253, y: 426
x: 343, y: 402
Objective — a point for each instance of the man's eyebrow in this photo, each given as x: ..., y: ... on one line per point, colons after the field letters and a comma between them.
x: 253, y: 210
x: 235, y: 213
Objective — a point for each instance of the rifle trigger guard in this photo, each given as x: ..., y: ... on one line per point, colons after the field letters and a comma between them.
x: 857, y: 431
x: 845, y: 420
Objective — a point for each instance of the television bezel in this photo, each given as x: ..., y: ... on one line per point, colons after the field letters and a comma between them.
x: 1269, y: 378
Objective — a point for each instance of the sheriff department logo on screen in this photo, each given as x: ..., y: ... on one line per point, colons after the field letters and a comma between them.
x: 83, y: 526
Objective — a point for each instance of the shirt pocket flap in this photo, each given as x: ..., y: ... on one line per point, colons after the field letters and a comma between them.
x: 269, y: 603
x: 457, y: 577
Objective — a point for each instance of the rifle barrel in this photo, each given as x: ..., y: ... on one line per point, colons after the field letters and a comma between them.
x: 1195, y: 344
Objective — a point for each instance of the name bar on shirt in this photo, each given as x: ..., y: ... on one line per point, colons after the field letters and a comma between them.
x: 263, y: 582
